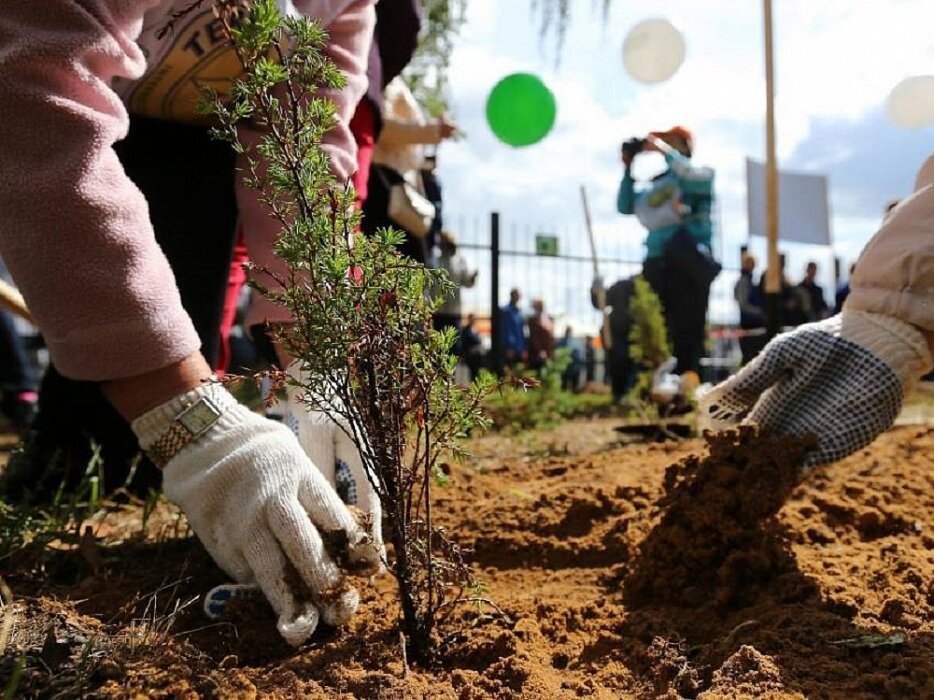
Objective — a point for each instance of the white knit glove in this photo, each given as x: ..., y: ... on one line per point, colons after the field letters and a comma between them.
x: 261, y: 509
x: 327, y: 443
x: 842, y: 379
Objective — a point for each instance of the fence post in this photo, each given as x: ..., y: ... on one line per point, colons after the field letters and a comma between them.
x: 496, y: 333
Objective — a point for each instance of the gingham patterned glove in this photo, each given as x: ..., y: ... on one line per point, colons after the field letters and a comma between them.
x: 327, y: 443
x: 842, y: 380
x: 261, y: 508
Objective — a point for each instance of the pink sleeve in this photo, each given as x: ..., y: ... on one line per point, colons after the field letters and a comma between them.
x: 74, y: 231
x: 351, y: 33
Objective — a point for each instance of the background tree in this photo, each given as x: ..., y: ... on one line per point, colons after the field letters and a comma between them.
x: 427, y: 73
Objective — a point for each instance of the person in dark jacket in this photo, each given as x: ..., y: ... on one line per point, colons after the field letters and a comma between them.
x: 751, y: 314
x: 675, y: 207
x: 513, y: 324
x: 812, y: 294
x: 621, y: 369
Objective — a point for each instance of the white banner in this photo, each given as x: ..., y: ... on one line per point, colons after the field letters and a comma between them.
x: 803, y: 205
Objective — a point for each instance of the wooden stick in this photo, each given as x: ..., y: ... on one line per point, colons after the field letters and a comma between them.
x: 601, y: 294
x: 12, y: 300
x: 589, y: 222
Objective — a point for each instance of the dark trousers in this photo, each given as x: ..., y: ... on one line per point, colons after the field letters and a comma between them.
x: 750, y: 346
x: 474, y: 362
x: 684, y: 303
x: 187, y: 178
x: 376, y: 216
x: 621, y: 368
x: 17, y: 373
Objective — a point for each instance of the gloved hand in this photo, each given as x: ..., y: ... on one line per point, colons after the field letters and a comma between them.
x: 328, y: 445
x: 597, y: 285
x: 261, y: 508
x: 842, y: 379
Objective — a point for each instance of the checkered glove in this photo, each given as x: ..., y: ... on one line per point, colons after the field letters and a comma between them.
x: 329, y: 446
x: 842, y: 380
x: 262, y: 510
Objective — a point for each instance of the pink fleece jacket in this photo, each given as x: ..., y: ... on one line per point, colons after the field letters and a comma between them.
x: 74, y: 230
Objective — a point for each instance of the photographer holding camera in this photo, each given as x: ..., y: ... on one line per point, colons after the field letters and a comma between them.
x: 675, y: 208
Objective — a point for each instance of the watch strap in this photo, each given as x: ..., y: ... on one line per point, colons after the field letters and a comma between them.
x: 182, y: 431
x: 168, y: 428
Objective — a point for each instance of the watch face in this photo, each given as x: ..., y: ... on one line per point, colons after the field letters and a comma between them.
x: 199, y: 417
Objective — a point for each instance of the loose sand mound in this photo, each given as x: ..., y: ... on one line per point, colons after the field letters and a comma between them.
x: 643, y: 571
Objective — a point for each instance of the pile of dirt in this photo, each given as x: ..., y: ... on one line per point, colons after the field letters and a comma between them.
x: 664, y: 570
x: 715, y: 544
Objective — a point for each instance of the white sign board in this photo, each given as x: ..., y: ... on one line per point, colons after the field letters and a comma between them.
x: 803, y: 205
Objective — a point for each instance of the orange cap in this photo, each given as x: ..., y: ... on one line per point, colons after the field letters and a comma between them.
x: 675, y: 131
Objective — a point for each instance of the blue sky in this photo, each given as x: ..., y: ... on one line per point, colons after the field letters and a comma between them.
x: 836, y: 62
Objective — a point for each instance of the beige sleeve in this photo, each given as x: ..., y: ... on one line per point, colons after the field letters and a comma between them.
x: 403, y: 120
x: 398, y: 132
x: 895, y: 272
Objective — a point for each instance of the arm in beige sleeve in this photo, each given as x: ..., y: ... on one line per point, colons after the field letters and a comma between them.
x: 403, y: 121
x: 398, y: 132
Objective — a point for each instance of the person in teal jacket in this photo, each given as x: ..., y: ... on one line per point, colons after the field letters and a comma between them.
x: 675, y: 207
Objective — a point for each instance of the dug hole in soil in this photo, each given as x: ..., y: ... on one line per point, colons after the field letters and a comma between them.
x: 642, y: 571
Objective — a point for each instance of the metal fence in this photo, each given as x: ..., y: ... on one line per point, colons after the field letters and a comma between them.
x: 563, y: 280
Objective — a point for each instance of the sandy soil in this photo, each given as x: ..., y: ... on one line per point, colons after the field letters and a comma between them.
x: 619, y: 575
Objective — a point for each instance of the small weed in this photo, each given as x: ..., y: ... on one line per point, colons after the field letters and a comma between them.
x: 10, y: 691
x: 535, y: 401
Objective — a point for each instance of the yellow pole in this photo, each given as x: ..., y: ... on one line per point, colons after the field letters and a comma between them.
x: 772, y: 279
x: 12, y: 300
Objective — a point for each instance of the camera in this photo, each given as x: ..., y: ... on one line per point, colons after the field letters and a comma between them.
x: 632, y: 147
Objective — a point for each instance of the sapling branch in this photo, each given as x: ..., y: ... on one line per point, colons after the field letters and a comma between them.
x: 361, y: 329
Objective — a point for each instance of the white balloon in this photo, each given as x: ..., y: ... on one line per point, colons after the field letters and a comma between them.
x: 653, y: 51
x: 911, y: 102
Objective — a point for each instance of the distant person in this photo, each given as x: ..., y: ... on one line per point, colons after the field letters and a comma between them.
x: 620, y: 369
x: 571, y: 376
x: 675, y: 207
x: 590, y: 360
x: 751, y: 313
x: 815, y: 306
x: 398, y: 157
x: 19, y: 383
x: 471, y: 347
x: 541, y: 347
x: 452, y: 262
x: 513, y: 330
x: 843, y: 291
x: 431, y: 188
x: 395, y: 38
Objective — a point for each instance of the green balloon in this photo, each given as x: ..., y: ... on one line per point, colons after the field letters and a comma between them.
x: 521, y: 110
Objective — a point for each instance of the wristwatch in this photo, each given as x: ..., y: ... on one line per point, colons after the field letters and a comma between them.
x: 193, y: 422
